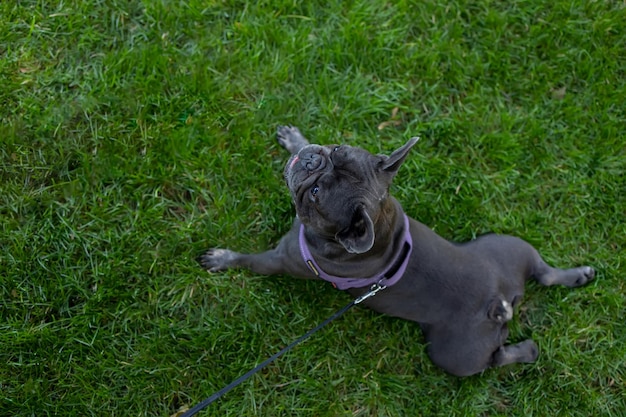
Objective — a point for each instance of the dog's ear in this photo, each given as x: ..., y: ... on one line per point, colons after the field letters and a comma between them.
x: 392, y: 162
x: 359, y: 236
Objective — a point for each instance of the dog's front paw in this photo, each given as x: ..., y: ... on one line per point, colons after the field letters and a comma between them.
x: 215, y: 260
x: 290, y: 138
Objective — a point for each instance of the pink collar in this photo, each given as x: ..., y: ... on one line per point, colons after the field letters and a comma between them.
x: 387, y: 278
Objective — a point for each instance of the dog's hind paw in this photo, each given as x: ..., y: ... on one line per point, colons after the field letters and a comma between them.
x: 573, y: 277
x: 576, y: 277
x: 587, y: 273
x: 215, y: 260
x: 523, y: 352
x: 500, y: 311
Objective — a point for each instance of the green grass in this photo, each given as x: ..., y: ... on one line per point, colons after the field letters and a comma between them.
x: 134, y: 135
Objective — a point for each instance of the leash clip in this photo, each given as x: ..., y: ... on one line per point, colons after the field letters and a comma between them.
x: 372, y: 292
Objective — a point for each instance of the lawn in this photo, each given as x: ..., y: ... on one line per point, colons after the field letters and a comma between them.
x: 134, y: 135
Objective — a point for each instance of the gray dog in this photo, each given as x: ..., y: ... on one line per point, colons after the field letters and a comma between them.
x: 349, y: 231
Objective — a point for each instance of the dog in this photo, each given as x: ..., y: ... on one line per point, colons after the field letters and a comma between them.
x: 351, y: 232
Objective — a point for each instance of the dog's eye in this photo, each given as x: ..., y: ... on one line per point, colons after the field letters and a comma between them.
x: 314, y: 190
x: 336, y: 148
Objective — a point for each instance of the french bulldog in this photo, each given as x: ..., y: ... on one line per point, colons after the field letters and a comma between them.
x: 351, y: 232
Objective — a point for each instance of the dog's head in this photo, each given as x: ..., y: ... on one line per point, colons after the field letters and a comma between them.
x: 339, y: 191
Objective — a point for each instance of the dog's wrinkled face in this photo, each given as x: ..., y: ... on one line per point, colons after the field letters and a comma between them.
x: 338, y: 191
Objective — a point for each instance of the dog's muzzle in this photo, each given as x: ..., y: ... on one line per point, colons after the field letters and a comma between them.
x: 311, y: 160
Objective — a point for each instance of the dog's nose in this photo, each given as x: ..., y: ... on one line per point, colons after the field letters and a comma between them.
x: 312, y: 161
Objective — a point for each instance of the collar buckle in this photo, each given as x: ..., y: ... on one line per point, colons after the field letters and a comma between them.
x: 372, y: 292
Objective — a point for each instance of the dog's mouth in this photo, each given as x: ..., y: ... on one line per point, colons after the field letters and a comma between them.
x: 294, y: 161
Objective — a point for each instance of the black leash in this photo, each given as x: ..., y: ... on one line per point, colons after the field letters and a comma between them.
x: 202, y: 405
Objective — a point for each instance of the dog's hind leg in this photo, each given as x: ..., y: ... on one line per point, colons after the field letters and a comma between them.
x: 573, y: 277
x: 465, y: 348
x: 290, y: 138
x: 500, y: 310
x: 517, y: 257
x: 544, y: 273
x: 524, y: 352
